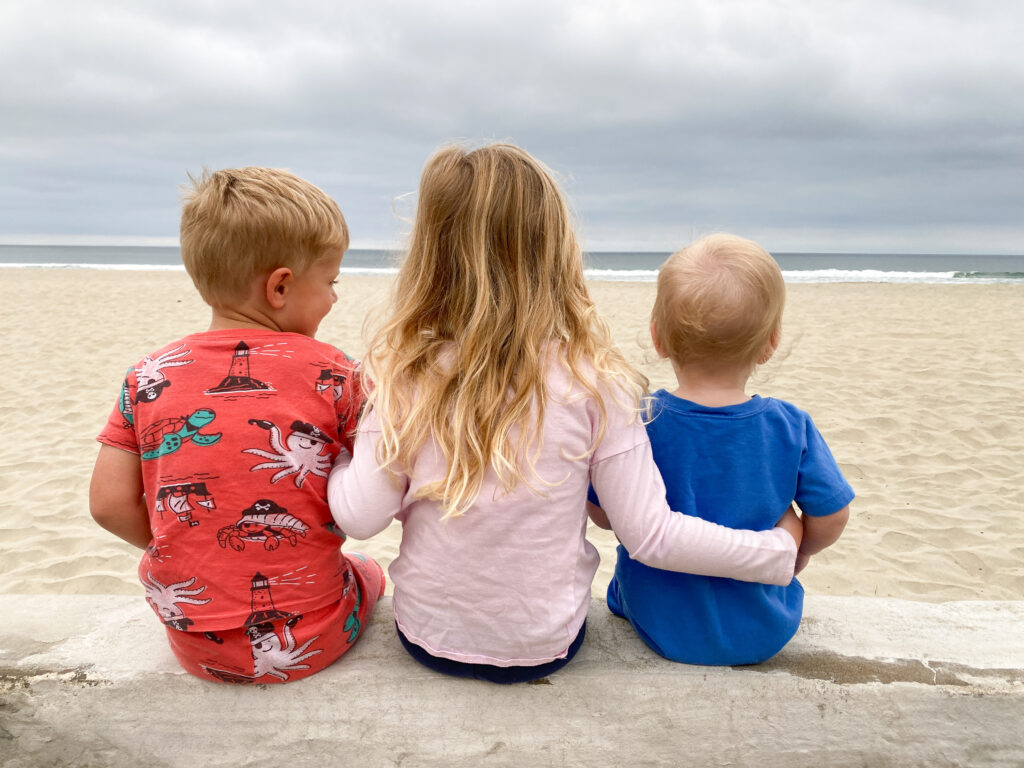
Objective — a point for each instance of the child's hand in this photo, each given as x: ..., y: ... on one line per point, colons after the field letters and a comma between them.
x: 792, y: 524
x: 342, y: 460
x: 802, y: 559
x: 598, y: 516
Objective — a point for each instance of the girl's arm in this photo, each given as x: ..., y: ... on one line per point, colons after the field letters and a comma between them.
x: 632, y: 494
x: 364, y: 498
x: 116, y: 500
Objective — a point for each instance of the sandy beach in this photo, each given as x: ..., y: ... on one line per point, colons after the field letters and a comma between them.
x: 915, y: 387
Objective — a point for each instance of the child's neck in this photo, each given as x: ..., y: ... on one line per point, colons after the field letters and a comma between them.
x: 714, y: 386
x: 229, y: 318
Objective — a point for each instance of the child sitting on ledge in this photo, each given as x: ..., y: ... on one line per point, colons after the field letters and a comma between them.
x: 728, y: 457
x: 215, y: 458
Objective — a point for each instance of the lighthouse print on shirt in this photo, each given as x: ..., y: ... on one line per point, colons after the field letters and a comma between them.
x: 239, y: 378
x: 275, y: 650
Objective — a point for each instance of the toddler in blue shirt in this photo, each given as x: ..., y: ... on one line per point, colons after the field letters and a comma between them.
x: 728, y: 457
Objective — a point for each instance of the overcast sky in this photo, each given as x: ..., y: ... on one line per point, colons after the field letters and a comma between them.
x: 892, y: 126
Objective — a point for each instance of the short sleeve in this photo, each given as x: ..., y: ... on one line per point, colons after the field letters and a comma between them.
x: 821, y: 487
x: 119, y: 430
x: 350, y: 404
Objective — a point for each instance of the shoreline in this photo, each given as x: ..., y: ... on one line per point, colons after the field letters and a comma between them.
x: 599, y: 274
x: 914, y: 386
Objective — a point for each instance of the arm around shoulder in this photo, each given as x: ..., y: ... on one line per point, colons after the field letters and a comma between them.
x: 633, y: 495
x: 116, y: 499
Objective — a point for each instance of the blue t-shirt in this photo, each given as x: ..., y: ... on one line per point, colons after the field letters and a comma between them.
x: 740, y: 466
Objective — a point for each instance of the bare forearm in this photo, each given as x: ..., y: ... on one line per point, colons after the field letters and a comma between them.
x: 116, y: 499
x: 822, y: 532
x: 132, y: 525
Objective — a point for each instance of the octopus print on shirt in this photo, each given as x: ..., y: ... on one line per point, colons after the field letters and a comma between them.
x: 304, y: 451
x: 150, y: 374
x: 236, y: 433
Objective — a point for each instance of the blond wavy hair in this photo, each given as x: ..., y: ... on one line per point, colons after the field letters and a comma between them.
x: 491, y: 285
x: 238, y: 223
x: 720, y: 298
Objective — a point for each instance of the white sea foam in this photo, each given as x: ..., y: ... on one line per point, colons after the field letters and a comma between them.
x: 825, y: 276
x: 103, y: 267
x: 868, y: 276
x: 625, y: 275
x: 167, y: 267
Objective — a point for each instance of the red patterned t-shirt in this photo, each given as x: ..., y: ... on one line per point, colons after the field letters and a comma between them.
x: 237, y: 431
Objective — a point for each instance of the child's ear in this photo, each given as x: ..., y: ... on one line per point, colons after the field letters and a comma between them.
x: 278, y: 284
x: 654, y: 339
x: 773, y: 344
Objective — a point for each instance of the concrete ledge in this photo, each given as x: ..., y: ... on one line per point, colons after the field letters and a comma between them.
x: 89, y: 681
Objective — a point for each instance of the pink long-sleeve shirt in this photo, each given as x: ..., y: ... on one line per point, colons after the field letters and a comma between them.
x: 508, y: 583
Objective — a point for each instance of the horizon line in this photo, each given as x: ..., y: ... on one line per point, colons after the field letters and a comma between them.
x: 127, y: 241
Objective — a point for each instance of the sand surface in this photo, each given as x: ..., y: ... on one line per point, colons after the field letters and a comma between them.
x: 917, y: 389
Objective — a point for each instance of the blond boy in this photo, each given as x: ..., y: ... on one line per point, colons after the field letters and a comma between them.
x: 729, y: 457
x: 214, y: 460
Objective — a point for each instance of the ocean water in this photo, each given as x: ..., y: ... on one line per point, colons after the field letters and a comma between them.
x: 621, y: 266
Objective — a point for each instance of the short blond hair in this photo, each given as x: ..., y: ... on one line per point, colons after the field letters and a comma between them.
x: 237, y: 223
x: 720, y: 298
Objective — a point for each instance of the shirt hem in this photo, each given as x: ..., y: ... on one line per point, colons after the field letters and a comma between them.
x: 465, y: 658
x: 238, y: 621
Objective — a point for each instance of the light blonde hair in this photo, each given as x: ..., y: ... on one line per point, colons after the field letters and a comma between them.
x: 492, y: 282
x: 241, y: 222
x: 720, y: 298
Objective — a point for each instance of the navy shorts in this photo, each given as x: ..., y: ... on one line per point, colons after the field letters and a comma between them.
x: 490, y: 672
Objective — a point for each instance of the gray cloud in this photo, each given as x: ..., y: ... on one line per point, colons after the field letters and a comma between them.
x: 828, y: 126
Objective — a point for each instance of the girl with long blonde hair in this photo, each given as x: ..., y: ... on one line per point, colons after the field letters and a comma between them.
x: 496, y: 398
